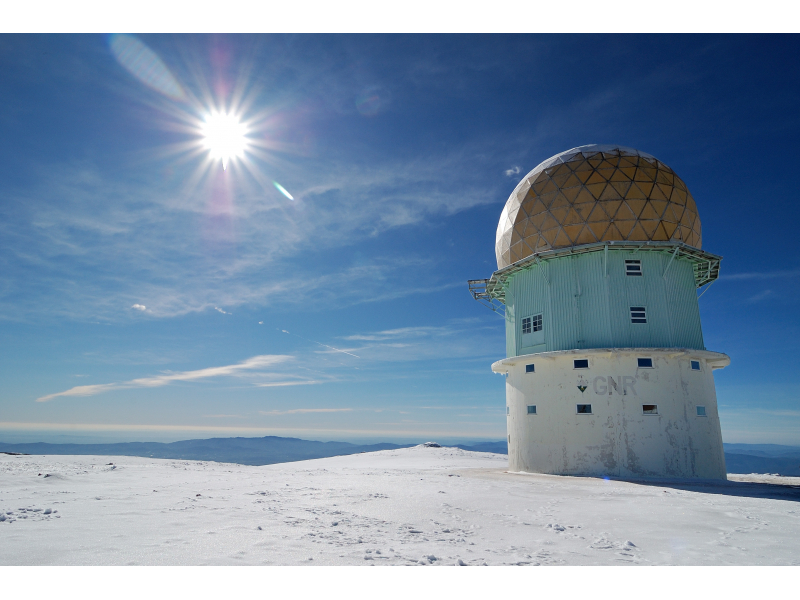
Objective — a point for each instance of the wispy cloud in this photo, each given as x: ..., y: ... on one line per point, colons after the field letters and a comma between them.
x: 223, y: 416
x: 331, y: 348
x: 251, y: 364
x: 515, y: 170
x: 456, y: 340
x: 304, y: 410
x: 760, y: 296
x: 403, y: 332
x: 80, y: 222
x: 218, y: 309
x: 287, y: 383
x: 763, y: 275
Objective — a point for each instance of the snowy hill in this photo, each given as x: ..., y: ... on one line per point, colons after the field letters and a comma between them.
x: 739, y: 458
x: 421, y: 506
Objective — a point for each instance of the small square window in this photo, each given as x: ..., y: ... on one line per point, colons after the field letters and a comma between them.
x: 584, y: 409
x: 644, y: 363
x: 633, y: 268
x: 701, y: 411
x: 695, y: 365
x: 537, y: 323
x: 532, y: 410
x: 530, y: 368
x: 580, y: 363
x: 526, y: 325
x: 649, y: 409
x: 638, y: 314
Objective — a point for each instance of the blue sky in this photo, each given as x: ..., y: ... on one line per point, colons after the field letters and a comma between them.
x: 146, y: 293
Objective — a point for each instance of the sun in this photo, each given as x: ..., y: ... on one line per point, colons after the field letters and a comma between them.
x: 224, y: 136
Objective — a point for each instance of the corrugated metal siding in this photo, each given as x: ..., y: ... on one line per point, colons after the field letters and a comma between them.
x: 593, y: 302
x: 684, y: 309
x: 511, y: 325
x: 584, y: 308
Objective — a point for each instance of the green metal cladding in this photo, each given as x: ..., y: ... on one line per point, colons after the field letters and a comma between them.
x: 585, y: 301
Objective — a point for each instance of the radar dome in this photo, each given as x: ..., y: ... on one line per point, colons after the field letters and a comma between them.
x: 595, y: 193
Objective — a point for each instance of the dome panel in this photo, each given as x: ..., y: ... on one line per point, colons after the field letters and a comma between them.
x: 595, y: 193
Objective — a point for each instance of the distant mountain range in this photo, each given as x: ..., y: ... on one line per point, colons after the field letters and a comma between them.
x: 245, y: 451
x: 763, y: 458
x: 739, y: 458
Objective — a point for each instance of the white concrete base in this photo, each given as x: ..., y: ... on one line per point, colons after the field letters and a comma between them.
x: 617, y: 438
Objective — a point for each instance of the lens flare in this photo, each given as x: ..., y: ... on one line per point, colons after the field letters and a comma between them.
x: 368, y: 103
x: 224, y: 136
x: 145, y: 65
x: 282, y: 190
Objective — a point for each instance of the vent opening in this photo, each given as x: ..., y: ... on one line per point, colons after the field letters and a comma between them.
x: 633, y: 268
x: 638, y: 314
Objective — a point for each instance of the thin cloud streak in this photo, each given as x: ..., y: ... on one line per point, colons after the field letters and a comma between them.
x: 254, y: 363
x: 287, y: 383
x: 404, y: 332
x: 321, y: 344
x: 758, y: 297
x: 304, y: 411
x: 762, y: 275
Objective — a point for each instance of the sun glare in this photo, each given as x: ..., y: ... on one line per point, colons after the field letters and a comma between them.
x: 224, y: 136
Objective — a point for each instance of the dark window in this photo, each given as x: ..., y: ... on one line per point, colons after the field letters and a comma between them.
x: 526, y: 325
x: 695, y: 365
x: 649, y: 409
x: 638, y: 314
x: 508, y: 410
x: 645, y: 363
x: 580, y: 363
x: 532, y: 410
x: 537, y: 323
x: 584, y: 409
x: 701, y: 411
x: 530, y: 368
x: 633, y: 268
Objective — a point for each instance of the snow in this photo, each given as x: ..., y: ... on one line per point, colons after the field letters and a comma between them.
x: 415, y: 506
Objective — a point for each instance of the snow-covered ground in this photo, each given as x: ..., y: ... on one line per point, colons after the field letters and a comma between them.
x: 415, y: 506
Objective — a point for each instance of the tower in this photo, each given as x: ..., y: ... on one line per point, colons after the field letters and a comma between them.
x: 599, y: 259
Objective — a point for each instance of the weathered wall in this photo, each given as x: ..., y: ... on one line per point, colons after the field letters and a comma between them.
x: 585, y: 301
x: 617, y: 438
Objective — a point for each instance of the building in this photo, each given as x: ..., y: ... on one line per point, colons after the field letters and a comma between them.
x: 599, y: 262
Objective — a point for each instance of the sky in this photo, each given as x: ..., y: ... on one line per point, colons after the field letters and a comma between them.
x: 315, y: 287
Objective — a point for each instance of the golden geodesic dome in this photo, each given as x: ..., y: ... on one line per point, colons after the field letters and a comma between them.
x: 595, y: 193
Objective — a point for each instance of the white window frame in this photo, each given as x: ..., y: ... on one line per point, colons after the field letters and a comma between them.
x: 705, y: 413
x: 577, y: 412
x: 650, y: 413
x: 576, y: 368
x: 638, y: 366
x: 531, y: 406
x: 530, y: 368
x: 527, y: 322
x: 532, y: 324
x: 692, y: 363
